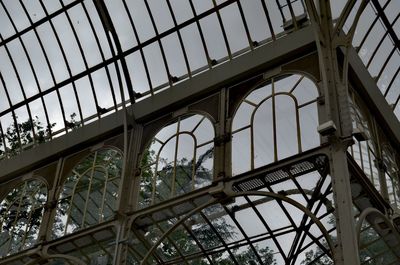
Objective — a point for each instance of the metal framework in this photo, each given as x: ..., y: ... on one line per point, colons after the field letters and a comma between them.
x: 199, y: 132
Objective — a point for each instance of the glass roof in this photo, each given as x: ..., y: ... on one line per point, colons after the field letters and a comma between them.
x: 237, y: 229
x: 377, y: 42
x: 69, y: 62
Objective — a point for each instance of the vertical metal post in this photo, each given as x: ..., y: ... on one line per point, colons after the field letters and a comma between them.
x: 128, y: 193
x: 221, y: 139
x: 379, y: 163
x: 51, y: 205
x: 334, y: 86
x: 346, y: 252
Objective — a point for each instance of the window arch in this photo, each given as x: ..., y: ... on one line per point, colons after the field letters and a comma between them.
x: 179, y: 159
x: 21, y: 213
x: 276, y: 120
x: 373, y: 230
x: 89, y: 194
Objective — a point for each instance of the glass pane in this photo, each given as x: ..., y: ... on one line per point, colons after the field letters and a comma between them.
x: 89, y: 193
x: 21, y: 214
x: 178, y: 160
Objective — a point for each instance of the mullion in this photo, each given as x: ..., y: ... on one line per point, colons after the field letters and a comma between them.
x: 392, y: 81
x: 169, y: 239
x: 108, y: 26
x: 197, y: 242
x: 223, y: 30
x: 295, y: 23
x: 386, y: 23
x: 101, y: 54
x: 298, y: 186
x: 385, y: 63
x: 3, y: 140
x: 32, y: 68
x: 246, y: 28
x: 196, y: 20
x: 33, y: 26
x: 146, y: 245
x: 369, y: 30
x: 270, y: 231
x: 376, y: 50
x: 79, y: 209
x: 146, y: 69
x: 34, y: 208
x: 115, y: 57
x: 232, y: 216
x: 12, y: 229
x: 283, y: 208
x: 159, y: 43
x: 219, y: 237
x: 65, y: 61
x: 154, y: 188
x: 179, y: 38
x: 302, y: 226
x: 41, y: 94
x: 12, y: 113
x: 84, y: 61
x: 316, y: 241
x: 271, y: 29
x: 21, y: 87
x: 308, y: 226
x: 280, y: 10
x: 304, y: 247
x: 101, y: 246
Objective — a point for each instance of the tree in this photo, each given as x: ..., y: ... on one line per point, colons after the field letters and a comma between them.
x: 20, y: 216
x: 20, y: 136
x: 23, y: 135
x: 188, y: 237
x: 22, y: 209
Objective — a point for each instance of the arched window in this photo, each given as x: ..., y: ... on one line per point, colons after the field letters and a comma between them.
x: 179, y: 159
x: 276, y: 120
x: 89, y: 193
x: 21, y: 213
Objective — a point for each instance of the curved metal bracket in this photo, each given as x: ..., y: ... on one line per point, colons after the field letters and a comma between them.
x: 233, y: 195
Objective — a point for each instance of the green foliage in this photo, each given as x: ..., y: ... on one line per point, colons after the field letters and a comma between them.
x: 201, y: 232
x: 249, y: 257
x: 98, y: 173
x: 171, y: 179
x: 20, y: 216
x: 23, y: 135
x: 317, y: 257
x: 72, y: 123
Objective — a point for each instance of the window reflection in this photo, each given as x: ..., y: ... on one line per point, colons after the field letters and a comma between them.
x: 363, y: 150
x: 178, y: 160
x: 373, y: 248
x: 391, y: 175
x: 90, y: 192
x: 374, y: 41
x: 21, y: 213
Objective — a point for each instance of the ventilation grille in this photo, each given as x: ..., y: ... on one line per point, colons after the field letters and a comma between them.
x: 268, y: 177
